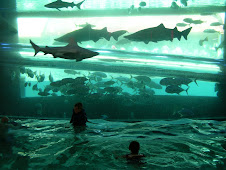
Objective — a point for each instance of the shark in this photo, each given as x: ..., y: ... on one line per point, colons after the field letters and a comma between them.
x: 71, y: 51
x: 87, y: 33
x: 159, y: 33
x: 61, y: 4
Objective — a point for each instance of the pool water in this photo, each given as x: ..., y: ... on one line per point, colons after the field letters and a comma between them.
x: 172, y: 144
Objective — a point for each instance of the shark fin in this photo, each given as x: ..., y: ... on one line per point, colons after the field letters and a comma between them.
x: 106, y: 34
x: 117, y: 34
x: 161, y: 26
x: 36, y: 48
x: 187, y: 90
x: 79, y: 4
x: 179, y: 37
x: 95, y: 39
x: 79, y: 59
x: 186, y: 32
x: 104, y: 29
x: 72, y: 42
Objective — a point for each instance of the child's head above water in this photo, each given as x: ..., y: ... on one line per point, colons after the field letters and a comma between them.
x: 134, y: 147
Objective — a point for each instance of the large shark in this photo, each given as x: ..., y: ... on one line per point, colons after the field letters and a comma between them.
x: 70, y: 51
x: 159, y: 33
x: 87, y: 34
x: 61, y: 4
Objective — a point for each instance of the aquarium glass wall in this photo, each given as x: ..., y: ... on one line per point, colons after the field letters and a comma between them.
x: 126, y: 54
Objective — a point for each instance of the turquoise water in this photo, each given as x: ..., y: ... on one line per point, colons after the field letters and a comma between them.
x: 54, y: 144
x: 123, y: 82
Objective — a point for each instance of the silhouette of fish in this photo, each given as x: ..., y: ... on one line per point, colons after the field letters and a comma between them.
x: 159, y: 33
x: 216, y: 24
x: 70, y: 51
x: 87, y: 34
x: 61, y: 4
x: 174, y: 5
x: 201, y: 41
x: 222, y: 45
x: 175, y: 89
x: 184, y: 2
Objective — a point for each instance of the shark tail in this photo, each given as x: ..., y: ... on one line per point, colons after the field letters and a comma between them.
x: 187, y: 90
x: 36, y: 48
x: 186, y: 32
x: 79, y: 4
x: 106, y: 34
x: 196, y: 82
x: 117, y: 34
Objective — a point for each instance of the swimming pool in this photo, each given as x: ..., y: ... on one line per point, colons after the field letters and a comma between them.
x: 173, y: 144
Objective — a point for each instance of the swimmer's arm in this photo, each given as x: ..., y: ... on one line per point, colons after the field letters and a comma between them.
x: 116, y: 156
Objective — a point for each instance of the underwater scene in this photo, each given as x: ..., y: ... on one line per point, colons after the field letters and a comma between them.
x: 147, y: 71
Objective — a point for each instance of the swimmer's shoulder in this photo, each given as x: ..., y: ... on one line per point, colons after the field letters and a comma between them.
x: 134, y: 156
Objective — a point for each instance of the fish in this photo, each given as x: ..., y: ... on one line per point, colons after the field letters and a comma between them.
x: 216, y: 24
x: 210, y: 31
x: 43, y: 93
x: 201, y: 41
x: 84, y: 25
x: 184, y: 2
x: 30, y: 73
x: 71, y: 72
x: 25, y: 84
x: 138, y: 9
x: 109, y: 83
x: 51, y: 78
x: 142, y: 4
x: 71, y: 51
x: 183, y: 80
x: 145, y: 79
x: 154, y: 85
x: 168, y: 81
x: 185, y: 112
x: 178, y: 81
x: 62, y: 4
x: 188, y: 20
x: 222, y: 45
x: 175, y: 89
x: 41, y: 78
x: 197, y: 22
x: 206, y: 13
x: 122, y: 79
x: 35, y: 87
x: 181, y: 24
x: 174, y: 5
x: 100, y: 74
x: 22, y: 70
x: 89, y: 34
x: 111, y: 90
x: 80, y: 80
x: 130, y: 9
x: 191, y: 21
x: 159, y: 33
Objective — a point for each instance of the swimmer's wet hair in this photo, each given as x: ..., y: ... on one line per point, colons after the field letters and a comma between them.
x: 134, y: 147
x: 79, y: 105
